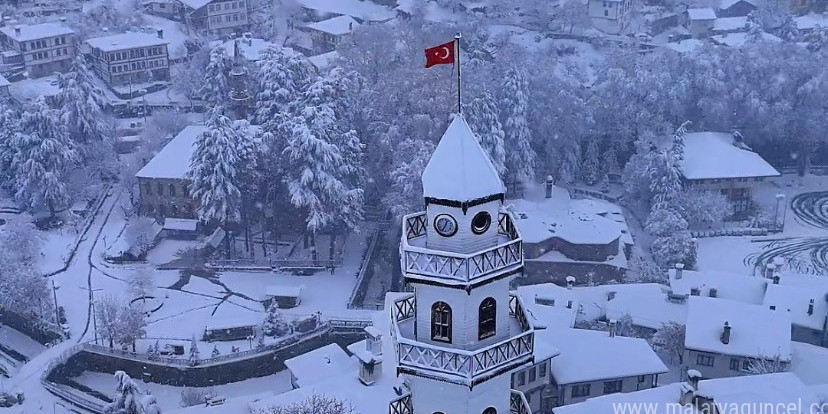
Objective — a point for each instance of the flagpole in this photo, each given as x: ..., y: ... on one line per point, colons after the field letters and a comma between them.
x: 457, y: 57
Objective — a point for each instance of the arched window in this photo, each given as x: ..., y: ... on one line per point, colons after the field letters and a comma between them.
x: 486, y: 318
x: 172, y: 190
x: 490, y: 410
x: 441, y: 322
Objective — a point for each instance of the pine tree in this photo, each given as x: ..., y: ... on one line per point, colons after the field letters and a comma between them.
x: 483, y: 120
x: 42, y: 157
x: 214, y: 171
x: 9, y: 124
x: 80, y: 102
x: 592, y: 165
x: 194, y: 354
x: 274, y: 323
x: 514, y: 98
x: 217, y: 78
x: 570, y: 162
x: 611, y: 161
x: 127, y: 399
x: 283, y: 75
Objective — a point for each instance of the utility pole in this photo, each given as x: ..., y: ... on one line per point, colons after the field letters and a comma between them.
x: 54, y: 293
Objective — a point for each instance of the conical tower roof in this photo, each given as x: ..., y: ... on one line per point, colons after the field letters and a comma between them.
x: 460, y: 170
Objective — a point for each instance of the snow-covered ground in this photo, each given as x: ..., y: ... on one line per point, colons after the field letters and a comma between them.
x: 20, y: 342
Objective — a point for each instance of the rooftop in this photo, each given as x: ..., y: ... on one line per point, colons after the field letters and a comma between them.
x: 173, y: 161
x: 739, y: 39
x: 726, y: 4
x: 321, y: 364
x: 127, y: 40
x: 648, y: 309
x: 594, y: 355
x: 36, y: 31
x: 336, y: 26
x: 732, y: 286
x: 195, y: 4
x: 250, y: 48
x: 811, y: 21
x: 360, y: 9
x: 756, y: 331
x: 712, y: 155
x: 284, y: 290
x: 705, y: 13
x: 723, y: 24
x: 459, y: 168
x: 575, y: 221
x: 795, y: 301
x: 549, y: 305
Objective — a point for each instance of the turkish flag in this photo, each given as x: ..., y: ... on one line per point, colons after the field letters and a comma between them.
x: 440, y: 55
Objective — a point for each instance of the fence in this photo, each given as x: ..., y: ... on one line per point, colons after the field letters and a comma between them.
x: 593, y: 194
x: 730, y: 232
x: 358, y: 292
x: 77, y: 399
x: 814, y: 169
x: 348, y: 325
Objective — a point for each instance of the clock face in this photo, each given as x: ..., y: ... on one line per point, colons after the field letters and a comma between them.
x: 445, y: 225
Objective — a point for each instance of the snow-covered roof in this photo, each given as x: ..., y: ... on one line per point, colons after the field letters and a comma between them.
x: 576, y: 221
x: 293, y: 291
x: 180, y: 224
x: 755, y: 331
x: 459, y: 168
x: 549, y: 305
x: 323, y: 363
x: 647, y: 308
x: 233, y: 320
x: 36, y: 31
x: 811, y: 21
x: 594, y: 355
x: 726, y: 4
x: 360, y: 9
x: 704, y: 13
x: 595, y: 299
x: 4, y: 81
x: 726, y: 24
x: 543, y: 349
x: 324, y: 60
x: 739, y: 39
x: 795, y: 301
x: 774, y: 390
x: 810, y: 363
x: 128, y: 40
x: 732, y: 286
x: 685, y: 45
x: 712, y: 155
x: 336, y: 26
x: 173, y: 161
x: 250, y: 48
x: 195, y: 4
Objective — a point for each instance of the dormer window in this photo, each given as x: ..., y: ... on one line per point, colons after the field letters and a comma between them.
x: 487, y: 318
x: 441, y: 322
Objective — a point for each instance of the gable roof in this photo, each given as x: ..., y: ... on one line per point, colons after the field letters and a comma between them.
x: 319, y: 365
x: 360, y: 9
x: 704, y: 13
x: 726, y: 4
x: 549, y: 305
x: 459, y: 168
x: 794, y: 300
x: 594, y: 355
x: 732, y: 286
x: 195, y: 4
x: 336, y: 26
x: 173, y: 161
x: 724, y: 24
x: 756, y: 331
x: 712, y: 155
x: 127, y: 40
x: 36, y: 31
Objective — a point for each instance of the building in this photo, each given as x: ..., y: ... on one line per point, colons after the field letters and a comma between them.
x: 130, y: 58
x: 807, y: 306
x: 698, y: 396
x: 723, y: 337
x: 215, y: 16
x: 699, y: 22
x: 4, y: 86
x: 721, y: 162
x: 316, y: 366
x: 595, y: 363
x: 165, y: 8
x: 735, y: 8
x: 611, y: 16
x: 550, y: 306
x: 729, y: 25
x: 38, y: 49
x: 327, y: 34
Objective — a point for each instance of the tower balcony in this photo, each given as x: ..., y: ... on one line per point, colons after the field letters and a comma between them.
x: 518, y: 403
x: 462, y: 366
x: 421, y: 261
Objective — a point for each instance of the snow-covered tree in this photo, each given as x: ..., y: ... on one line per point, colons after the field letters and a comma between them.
x: 80, y: 101
x: 22, y: 288
x: 411, y: 158
x: 315, y: 404
x: 194, y: 354
x: 705, y: 207
x: 127, y: 398
x: 106, y: 317
x: 483, y: 119
x: 679, y: 247
x: 570, y: 13
x: 216, y: 90
x: 42, y: 157
x: 767, y: 365
x: 664, y: 220
x: 151, y: 405
x: 670, y: 338
x: 591, y: 168
x: 789, y: 30
x: 118, y: 322
x: 274, y: 323
x: 140, y: 284
x: 282, y: 75
x: 131, y: 325
x: 665, y: 178
x: 514, y: 99
x: 610, y: 160
x: 188, y: 78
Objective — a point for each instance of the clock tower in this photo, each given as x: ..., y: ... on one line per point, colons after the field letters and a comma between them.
x: 460, y: 334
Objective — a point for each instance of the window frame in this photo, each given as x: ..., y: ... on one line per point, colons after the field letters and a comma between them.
x: 580, y: 390
x: 614, y: 386
x: 441, y: 327
x: 487, y: 318
x: 705, y: 360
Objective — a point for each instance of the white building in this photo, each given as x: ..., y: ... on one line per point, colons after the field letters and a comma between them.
x: 39, y: 49
x: 723, y: 337
x: 326, y: 35
x: 699, y: 21
x: 215, y: 16
x: 131, y: 57
x: 321, y: 364
x: 611, y: 16
x: 595, y: 363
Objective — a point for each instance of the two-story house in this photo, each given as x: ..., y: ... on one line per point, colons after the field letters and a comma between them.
x: 215, y: 16
x: 328, y: 34
x: 40, y: 49
x: 724, y: 338
x: 595, y: 363
x: 611, y: 16
x: 130, y: 57
x: 533, y: 380
x: 699, y: 21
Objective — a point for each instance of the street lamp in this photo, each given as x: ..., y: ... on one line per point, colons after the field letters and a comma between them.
x: 54, y: 293
x: 250, y: 341
x: 780, y: 198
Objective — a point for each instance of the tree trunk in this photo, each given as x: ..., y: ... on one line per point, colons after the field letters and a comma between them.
x: 227, y: 240
x: 314, y: 254
x: 51, y: 210
x: 332, y: 245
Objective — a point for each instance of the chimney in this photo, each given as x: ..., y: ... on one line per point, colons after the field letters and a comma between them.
x: 693, y: 377
x: 549, y: 184
x: 569, y: 304
x: 769, y: 270
x: 811, y: 307
x: 776, y: 278
x: 63, y: 19
x: 373, y: 341
x: 713, y: 293
x: 679, y: 270
x: 570, y: 282
x: 350, y: 26
x: 612, y: 325
x: 695, y: 292
x: 726, y: 333
x: 17, y: 30
x: 160, y: 33
x: 370, y: 360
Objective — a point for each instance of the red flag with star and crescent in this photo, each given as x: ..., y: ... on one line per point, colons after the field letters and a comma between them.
x: 440, y: 55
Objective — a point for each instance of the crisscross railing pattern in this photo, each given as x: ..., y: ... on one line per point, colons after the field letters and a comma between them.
x: 401, y: 405
x: 518, y: 403
x: 457, y: 266
x: 516, y: 310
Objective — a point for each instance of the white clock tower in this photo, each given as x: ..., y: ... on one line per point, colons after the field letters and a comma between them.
x: 460, y: 335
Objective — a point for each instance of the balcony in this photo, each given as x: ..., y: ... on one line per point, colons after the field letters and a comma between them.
x: 464, y: 268
x: 463, y: 366
x: 401, y: 405
x: 518, y: 403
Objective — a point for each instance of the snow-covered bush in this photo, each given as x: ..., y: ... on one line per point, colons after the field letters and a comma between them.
x: 705, y: 207
x: 195, y: 396
x: 670, y: 339
x: 315, y: 404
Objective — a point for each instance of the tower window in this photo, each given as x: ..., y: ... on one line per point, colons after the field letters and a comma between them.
x: 481, y: 222
x: 441, y: 322
x: 487, y: 318
x: 490, y: 410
